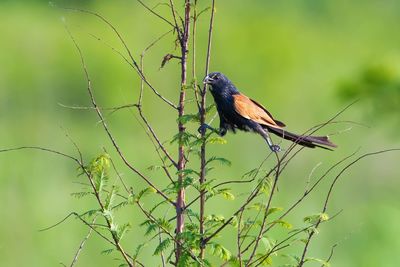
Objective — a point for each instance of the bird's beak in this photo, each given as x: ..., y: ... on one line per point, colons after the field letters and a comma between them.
x: 207, y: 80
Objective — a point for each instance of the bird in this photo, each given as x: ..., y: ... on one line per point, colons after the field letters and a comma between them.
x: 237, y: 111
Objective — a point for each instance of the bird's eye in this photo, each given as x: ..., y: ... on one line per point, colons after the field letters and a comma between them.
x: 215, y: 77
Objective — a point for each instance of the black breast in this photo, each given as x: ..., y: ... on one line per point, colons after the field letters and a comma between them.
x: 229, y: 118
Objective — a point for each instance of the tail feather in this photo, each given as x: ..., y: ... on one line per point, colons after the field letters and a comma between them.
x: 307, y: 141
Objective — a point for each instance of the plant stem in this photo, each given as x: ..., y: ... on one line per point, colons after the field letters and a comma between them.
x: 203, y: 145
x: 180, y: 202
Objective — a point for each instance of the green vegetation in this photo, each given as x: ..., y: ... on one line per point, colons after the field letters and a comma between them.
x: 303, y: 60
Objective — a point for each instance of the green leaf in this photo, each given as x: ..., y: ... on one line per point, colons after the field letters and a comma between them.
x: 120, y: 205
x: 191, y: 213
x: 189, y: 118
x: 252, y: 173
x: 187, y: 181
x: 273, y: 209
x: 164, y: 224
x: 257, y: 206
x: 217, y: 140
x: 183, y: 138
x: 220, y: 251
x: 110, y: 198
x: 323, y: 262
x: 151, y: 227
x: 221, y: 160
x: 107, y: 251
x: 234, y: 222
x: 162, y: 246
x: 283, y: 223
x: 184, y: 260
x: 187, y: 172
x: 294, y: 258
x: 227, y: 195
x: 268, y: 243
x: 81, y: 194
x: 144, y: 193
x: 313, y: 219
x: 265, y: 261
x: 214, y: 218
x: 234, y: 262
x: 154, y: 167
x: 108, y: 215
x: 266, y: 185
x: 121, y: 230
x: 138, y: 250
x: 100, y: 164
x: 206, y: 185
x: 324, y: 217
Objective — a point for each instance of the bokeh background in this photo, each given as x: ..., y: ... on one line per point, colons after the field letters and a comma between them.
x: 305, y: 60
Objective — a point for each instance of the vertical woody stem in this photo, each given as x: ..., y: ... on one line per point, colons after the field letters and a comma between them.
x: 180, y: 202
x: 203, y: 145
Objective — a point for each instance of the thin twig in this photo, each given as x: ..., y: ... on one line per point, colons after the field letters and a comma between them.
x: 325, y: 206
x: 266, y: 210
x: 151, y: 10
x: 83, y: 242
x: 203, y: 162
x: 178, y: 30
x: 122, y: 40
x: 100, y: 115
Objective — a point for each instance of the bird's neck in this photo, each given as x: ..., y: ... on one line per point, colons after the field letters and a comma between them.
x: 226, y: 92
x: 231, y: 89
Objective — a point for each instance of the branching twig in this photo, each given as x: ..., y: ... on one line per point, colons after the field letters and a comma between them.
x: 77, y: 253
x: 111, y: 137
x: 151, y: 10
x: 133, y: 61
x: 325, y: 206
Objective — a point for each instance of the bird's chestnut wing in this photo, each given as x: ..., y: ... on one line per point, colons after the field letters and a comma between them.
x: 251, y: 110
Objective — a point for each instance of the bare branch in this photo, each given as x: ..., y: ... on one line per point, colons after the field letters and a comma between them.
x: 203, y: 145
x: 135, y: 65
x: 42, y: 149
x: 100, y: 115
x: 83, y: 242
x: 325, y: 206
x: 151, y: 10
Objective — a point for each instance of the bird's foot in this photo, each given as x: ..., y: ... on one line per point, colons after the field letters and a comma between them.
x: 203, y: 128
x: 275, y: 148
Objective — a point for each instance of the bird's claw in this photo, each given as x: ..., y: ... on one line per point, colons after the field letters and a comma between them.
x: 202, y: 129
x: 275, y: 148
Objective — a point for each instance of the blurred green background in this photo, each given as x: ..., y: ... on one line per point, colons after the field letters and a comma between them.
x: 305, y: 60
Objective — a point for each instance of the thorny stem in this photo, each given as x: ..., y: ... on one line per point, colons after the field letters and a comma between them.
x: 203, y: 145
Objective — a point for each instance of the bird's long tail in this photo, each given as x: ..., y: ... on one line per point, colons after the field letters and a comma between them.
x: 307, y: 141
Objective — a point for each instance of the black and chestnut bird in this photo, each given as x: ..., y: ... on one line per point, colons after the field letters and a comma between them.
x: 237, y: 111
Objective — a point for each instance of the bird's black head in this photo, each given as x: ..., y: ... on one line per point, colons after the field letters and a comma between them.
x: 219, y: 83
